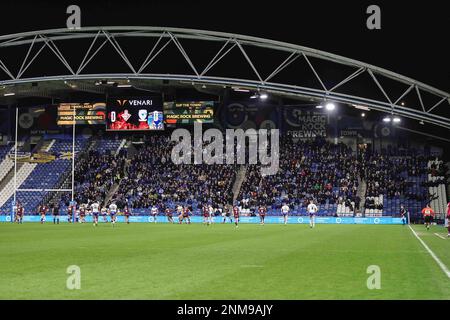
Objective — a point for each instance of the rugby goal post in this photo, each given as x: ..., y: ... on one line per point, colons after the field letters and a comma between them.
x: 16, y: 189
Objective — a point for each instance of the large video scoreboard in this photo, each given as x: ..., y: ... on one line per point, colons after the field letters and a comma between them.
x: 135, y: 114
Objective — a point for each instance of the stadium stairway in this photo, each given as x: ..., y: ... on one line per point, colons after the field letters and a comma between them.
x: 22, y: 174
x: 111, y: 193
x: 448, y: 181
x: 361, y: 193
x: 115, y: 146
x: 7, y: 163
x: 10, y: 175
x: 122, y: 144
x: 240, y: 176
x: 439, y: 205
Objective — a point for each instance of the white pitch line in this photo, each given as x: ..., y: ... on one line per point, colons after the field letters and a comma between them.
x: 437, y: 234
x: 438, y: 261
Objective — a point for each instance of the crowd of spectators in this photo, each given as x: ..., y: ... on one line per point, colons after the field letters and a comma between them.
x: 316, y: 170
x: 153, y: 179
x: 393, y: 176
x: 95, y: 173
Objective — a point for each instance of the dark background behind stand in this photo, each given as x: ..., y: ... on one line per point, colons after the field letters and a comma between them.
x: 413, y: 40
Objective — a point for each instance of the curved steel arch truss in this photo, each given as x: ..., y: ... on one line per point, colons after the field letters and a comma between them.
x: 96, y: 38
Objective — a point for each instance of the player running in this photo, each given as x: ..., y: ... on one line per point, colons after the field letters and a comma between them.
x: 186, y: 214
x: 285, y: 212
x: 312, y: 209
x: 112, y: 213
x: 169, y: 215
x: 262, y: 214
x: 428, y: 215
x: 95, y: 207
x: 154, y: 213
x: 127, y: 213
x: 55, y: 213
x: 236, y: 216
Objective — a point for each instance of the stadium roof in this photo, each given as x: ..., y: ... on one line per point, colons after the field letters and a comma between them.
x: 52, y: 63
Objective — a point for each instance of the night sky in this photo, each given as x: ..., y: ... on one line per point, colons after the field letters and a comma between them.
x: 413, y: 41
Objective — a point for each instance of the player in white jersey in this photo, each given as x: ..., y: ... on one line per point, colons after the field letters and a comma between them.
x: 77, y: 215
x: 104, y: 213
x: 112, y: 212
x: 180, y: 213
x: 285, y: 212
x: 154, y: 213
x: 211, y: 212
x: 312, y: 209
x: 95, y: 211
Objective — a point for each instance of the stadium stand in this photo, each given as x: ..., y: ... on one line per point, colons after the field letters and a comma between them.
x: 96, y: 174
x: 34, y: 176
x: 143, y: 175
x: 315, y: 169
x: 152, y: 179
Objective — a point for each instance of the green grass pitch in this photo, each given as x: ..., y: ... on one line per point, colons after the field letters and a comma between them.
x: 148, y: 261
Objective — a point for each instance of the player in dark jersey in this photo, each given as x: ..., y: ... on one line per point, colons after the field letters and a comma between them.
x: 169, y: 215
x: 262, y: 213
x: 186, y: 214
x: 403, y: 214
x: 69, y: 214
x: 127, y: 213
x: 227, y: 214
x: 55, y: 213
x: 42, y: 211
x: 206, y: 216
x: 19, y: 214
x: 236, y: 216
x: 448, y: 221
x: 82, y: 214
